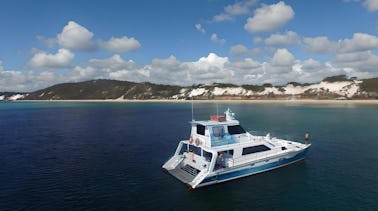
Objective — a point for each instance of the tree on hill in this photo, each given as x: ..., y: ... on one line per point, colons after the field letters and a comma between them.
x: 336, y: 78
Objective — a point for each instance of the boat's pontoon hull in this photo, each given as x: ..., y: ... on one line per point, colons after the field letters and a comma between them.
x: 228, y: 174
x: 249, y: 170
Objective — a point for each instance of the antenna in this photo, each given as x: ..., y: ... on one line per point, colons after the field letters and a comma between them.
x: 217, y: 110
x: 192, y: 110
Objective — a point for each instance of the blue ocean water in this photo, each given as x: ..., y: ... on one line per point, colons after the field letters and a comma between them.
x: 100, y: 156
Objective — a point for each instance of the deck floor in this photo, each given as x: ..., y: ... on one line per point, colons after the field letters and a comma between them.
x: 184, y: 174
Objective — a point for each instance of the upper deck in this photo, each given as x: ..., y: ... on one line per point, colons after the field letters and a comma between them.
x: 218, y: 131
x: 215, y: 123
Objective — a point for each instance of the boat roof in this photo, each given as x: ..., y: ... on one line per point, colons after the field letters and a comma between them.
x: 226, y: 119
x: 212, y: 123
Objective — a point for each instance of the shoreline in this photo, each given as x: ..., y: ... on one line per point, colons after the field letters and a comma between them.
x: 288, y: 102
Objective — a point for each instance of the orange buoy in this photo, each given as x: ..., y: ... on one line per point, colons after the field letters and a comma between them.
x: 198, y: 142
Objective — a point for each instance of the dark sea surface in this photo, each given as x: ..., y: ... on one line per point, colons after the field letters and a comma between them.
x: 106, y: 156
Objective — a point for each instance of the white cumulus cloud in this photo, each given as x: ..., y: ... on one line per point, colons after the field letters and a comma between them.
x: 211, y: 61
x: 76, y: 37
x: 371, y: 5
x: 49, y: 42
x: 214, y: 37
x: 239, y: 50
x: 246, y: 64
x: 114, y: 62
x: 269, y: 18
x: 232, y: 10
x: 83, y: 73
x: 114, y: 67
x: 168, y: 70
x: 209, y: 69
x: 320, y: 45
x: 212, y: 68
x: 311, y: 65
x: 365, y: 61
x: 281, y: 62
x: 359, y: 42
x: 282, y: 57
x: 14, y: 80
x: 290, y: 38
x: 61, y: 59
x: 258, y: 40
x: 123, y: 44
x: 200, y: 28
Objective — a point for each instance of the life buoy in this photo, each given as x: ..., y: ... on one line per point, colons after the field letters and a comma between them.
x: 198, y: 142
x: 191, y: 139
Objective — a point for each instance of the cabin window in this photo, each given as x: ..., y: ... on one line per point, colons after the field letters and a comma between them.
x: 235, y: 129
x: 218, y: 131
x: 230, y: 152
x: 195, y: 150
x: 184, y: 148
x: 200, y: 130
x: 255, y: 149
x: 207, y: 155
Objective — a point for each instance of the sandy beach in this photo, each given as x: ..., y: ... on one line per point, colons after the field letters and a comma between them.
x: 286, y: 102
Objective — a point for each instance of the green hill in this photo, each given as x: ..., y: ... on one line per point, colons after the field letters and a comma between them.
x: 104, y: 89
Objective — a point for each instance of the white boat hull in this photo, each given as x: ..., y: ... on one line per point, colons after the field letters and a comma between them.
x: 249, y: 170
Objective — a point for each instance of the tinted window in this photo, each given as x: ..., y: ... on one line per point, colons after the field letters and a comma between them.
x: 230, y: 152
x: 207, y: 155
x: 184, y: 148
x: 201, y: 130
x: 255, y: 149
x: 235, y: 129
x: 195, y: 150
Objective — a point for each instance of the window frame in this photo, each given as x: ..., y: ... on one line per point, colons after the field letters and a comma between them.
x: 200, y: 128
x: 255, y: 149
x: 232, y: 131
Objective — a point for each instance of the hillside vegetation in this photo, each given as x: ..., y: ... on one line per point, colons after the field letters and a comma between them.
x: 335, y: 87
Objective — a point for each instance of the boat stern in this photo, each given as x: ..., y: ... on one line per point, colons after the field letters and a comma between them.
x: 190, y: 164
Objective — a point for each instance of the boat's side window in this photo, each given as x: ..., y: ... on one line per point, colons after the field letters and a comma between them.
x: 183, y: 149
x: 229, y: 152
x: 194, y: 149
x: 235, y: 129
x: 255, y: 149
x: 207, y: 155
x: 218, y: 131
x: 200, y: 130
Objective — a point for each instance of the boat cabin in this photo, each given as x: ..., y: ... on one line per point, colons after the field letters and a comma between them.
x: 218, y: 131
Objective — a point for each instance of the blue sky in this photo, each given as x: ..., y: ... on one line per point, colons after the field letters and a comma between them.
x: 185, y: 42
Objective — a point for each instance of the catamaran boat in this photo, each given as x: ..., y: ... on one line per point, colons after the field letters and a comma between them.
x: 220, y: 150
